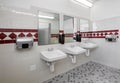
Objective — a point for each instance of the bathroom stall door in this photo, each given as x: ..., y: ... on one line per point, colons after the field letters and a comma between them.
x: 44, y: 33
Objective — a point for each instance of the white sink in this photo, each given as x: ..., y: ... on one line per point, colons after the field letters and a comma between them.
x: 88, y: 45
x: 50, y: 57
x: 75, y: 50
x: 53, y: 55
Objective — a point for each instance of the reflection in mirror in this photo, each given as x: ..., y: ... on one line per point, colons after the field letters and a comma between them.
x: 48, y: 28
x: 68, y: 28
x: 84, y: 25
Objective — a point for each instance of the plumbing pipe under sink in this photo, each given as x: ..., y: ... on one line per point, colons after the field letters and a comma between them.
x: 73, y: 51
x: 51, y: 56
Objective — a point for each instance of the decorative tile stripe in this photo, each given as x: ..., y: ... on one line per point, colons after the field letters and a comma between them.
x: 12, y: 41
x: 55, y: 35
x: 99, y: 34
x: 95, y: 34
x: 9, y: 35
x: 69, y: 35
x: 7, y: 41
x: 61, y: 31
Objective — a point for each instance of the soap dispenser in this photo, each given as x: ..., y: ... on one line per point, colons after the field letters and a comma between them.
x: 78, y: 37
x: 61, y: 38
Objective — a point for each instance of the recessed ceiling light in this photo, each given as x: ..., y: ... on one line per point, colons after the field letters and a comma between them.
x: 83, y: 2
x: 47, y: 17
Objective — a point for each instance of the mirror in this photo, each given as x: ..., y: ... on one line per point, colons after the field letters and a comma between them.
x: 68, y: 24
x: 48, y: 28
x: 84, y: 25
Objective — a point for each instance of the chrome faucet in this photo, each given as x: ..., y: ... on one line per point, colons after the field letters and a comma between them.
x: 50, y: 49
x: 72, y: 46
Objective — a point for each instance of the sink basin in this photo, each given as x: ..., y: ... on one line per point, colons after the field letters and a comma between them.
x: 53, y: 55
x: 74, y: 50
x: 88, y: 45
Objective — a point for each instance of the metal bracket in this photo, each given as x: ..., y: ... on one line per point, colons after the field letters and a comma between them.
x: 51, y: 65
x: 73, y: 58
x: 87, y: 52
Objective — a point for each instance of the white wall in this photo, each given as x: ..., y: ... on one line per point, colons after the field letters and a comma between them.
x: 105, y: 16
x: 9, y: 19
x: 57, y: 6
x: 104, y: 9
x: 64, y: 6
x: 68, y: 26
x: 84, y: 25
x: 15, y: 64
x: 107, y: 24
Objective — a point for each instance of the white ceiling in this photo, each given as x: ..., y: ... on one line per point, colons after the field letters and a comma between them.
x: 93, y: 1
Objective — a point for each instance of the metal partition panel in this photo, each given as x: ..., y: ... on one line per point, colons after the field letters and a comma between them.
x: 44, y: 33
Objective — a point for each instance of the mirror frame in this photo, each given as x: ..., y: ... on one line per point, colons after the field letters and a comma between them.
x: 52, y: 35
x: 61, y: 19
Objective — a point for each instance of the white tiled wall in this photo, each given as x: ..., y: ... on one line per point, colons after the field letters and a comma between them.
x: 15, y: 64
x: 106, y: 15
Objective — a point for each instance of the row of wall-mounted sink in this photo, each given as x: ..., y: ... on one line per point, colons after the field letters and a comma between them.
x: 50, y: 56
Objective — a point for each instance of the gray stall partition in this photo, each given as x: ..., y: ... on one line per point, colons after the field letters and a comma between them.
x: 44, y: 33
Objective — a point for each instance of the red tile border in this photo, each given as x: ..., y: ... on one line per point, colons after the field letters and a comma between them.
x: 29, y: 35
x: 36, y: 35
x: 12, y: 35
x: 2, y: 41
x: 54, y: 35
x: 35, y: 40
x: 116, y: 30
x: 69, y: 35
x: 2, y: 36
x: 33, y: 32
x: 7, y: 41
x: 61, y: 31
x: 11, y: 41
x: 21, y: 35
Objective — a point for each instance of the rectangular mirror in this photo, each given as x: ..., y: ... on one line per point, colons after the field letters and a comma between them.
x: 84, y: 27
x: 48, y: 28
x: 68, y: 25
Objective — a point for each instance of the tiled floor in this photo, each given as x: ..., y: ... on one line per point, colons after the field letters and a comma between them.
x: 90, y: 72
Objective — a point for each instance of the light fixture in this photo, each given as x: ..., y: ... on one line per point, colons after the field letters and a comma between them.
x: 27, y: 13
x: 23, y: 13
x: 47, y: 17
x: 83, y: 2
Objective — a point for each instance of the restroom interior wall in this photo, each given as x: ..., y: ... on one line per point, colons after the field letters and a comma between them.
x: 61, y: 6
x: 68, y: 26
x: 17, y: 66
x: 105, y: 15
x: 104, y: 9
x: 13, y: 20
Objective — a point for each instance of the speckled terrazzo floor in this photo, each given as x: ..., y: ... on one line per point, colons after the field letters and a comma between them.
x: 90, y: 72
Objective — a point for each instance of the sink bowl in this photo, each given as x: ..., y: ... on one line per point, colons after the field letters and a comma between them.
x: 88, y: 45
x: 74, y: 50
x: 53, y: 55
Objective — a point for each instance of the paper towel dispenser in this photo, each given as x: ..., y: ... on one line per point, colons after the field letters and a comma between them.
x: 24, y: 42
x: 111, y: 37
